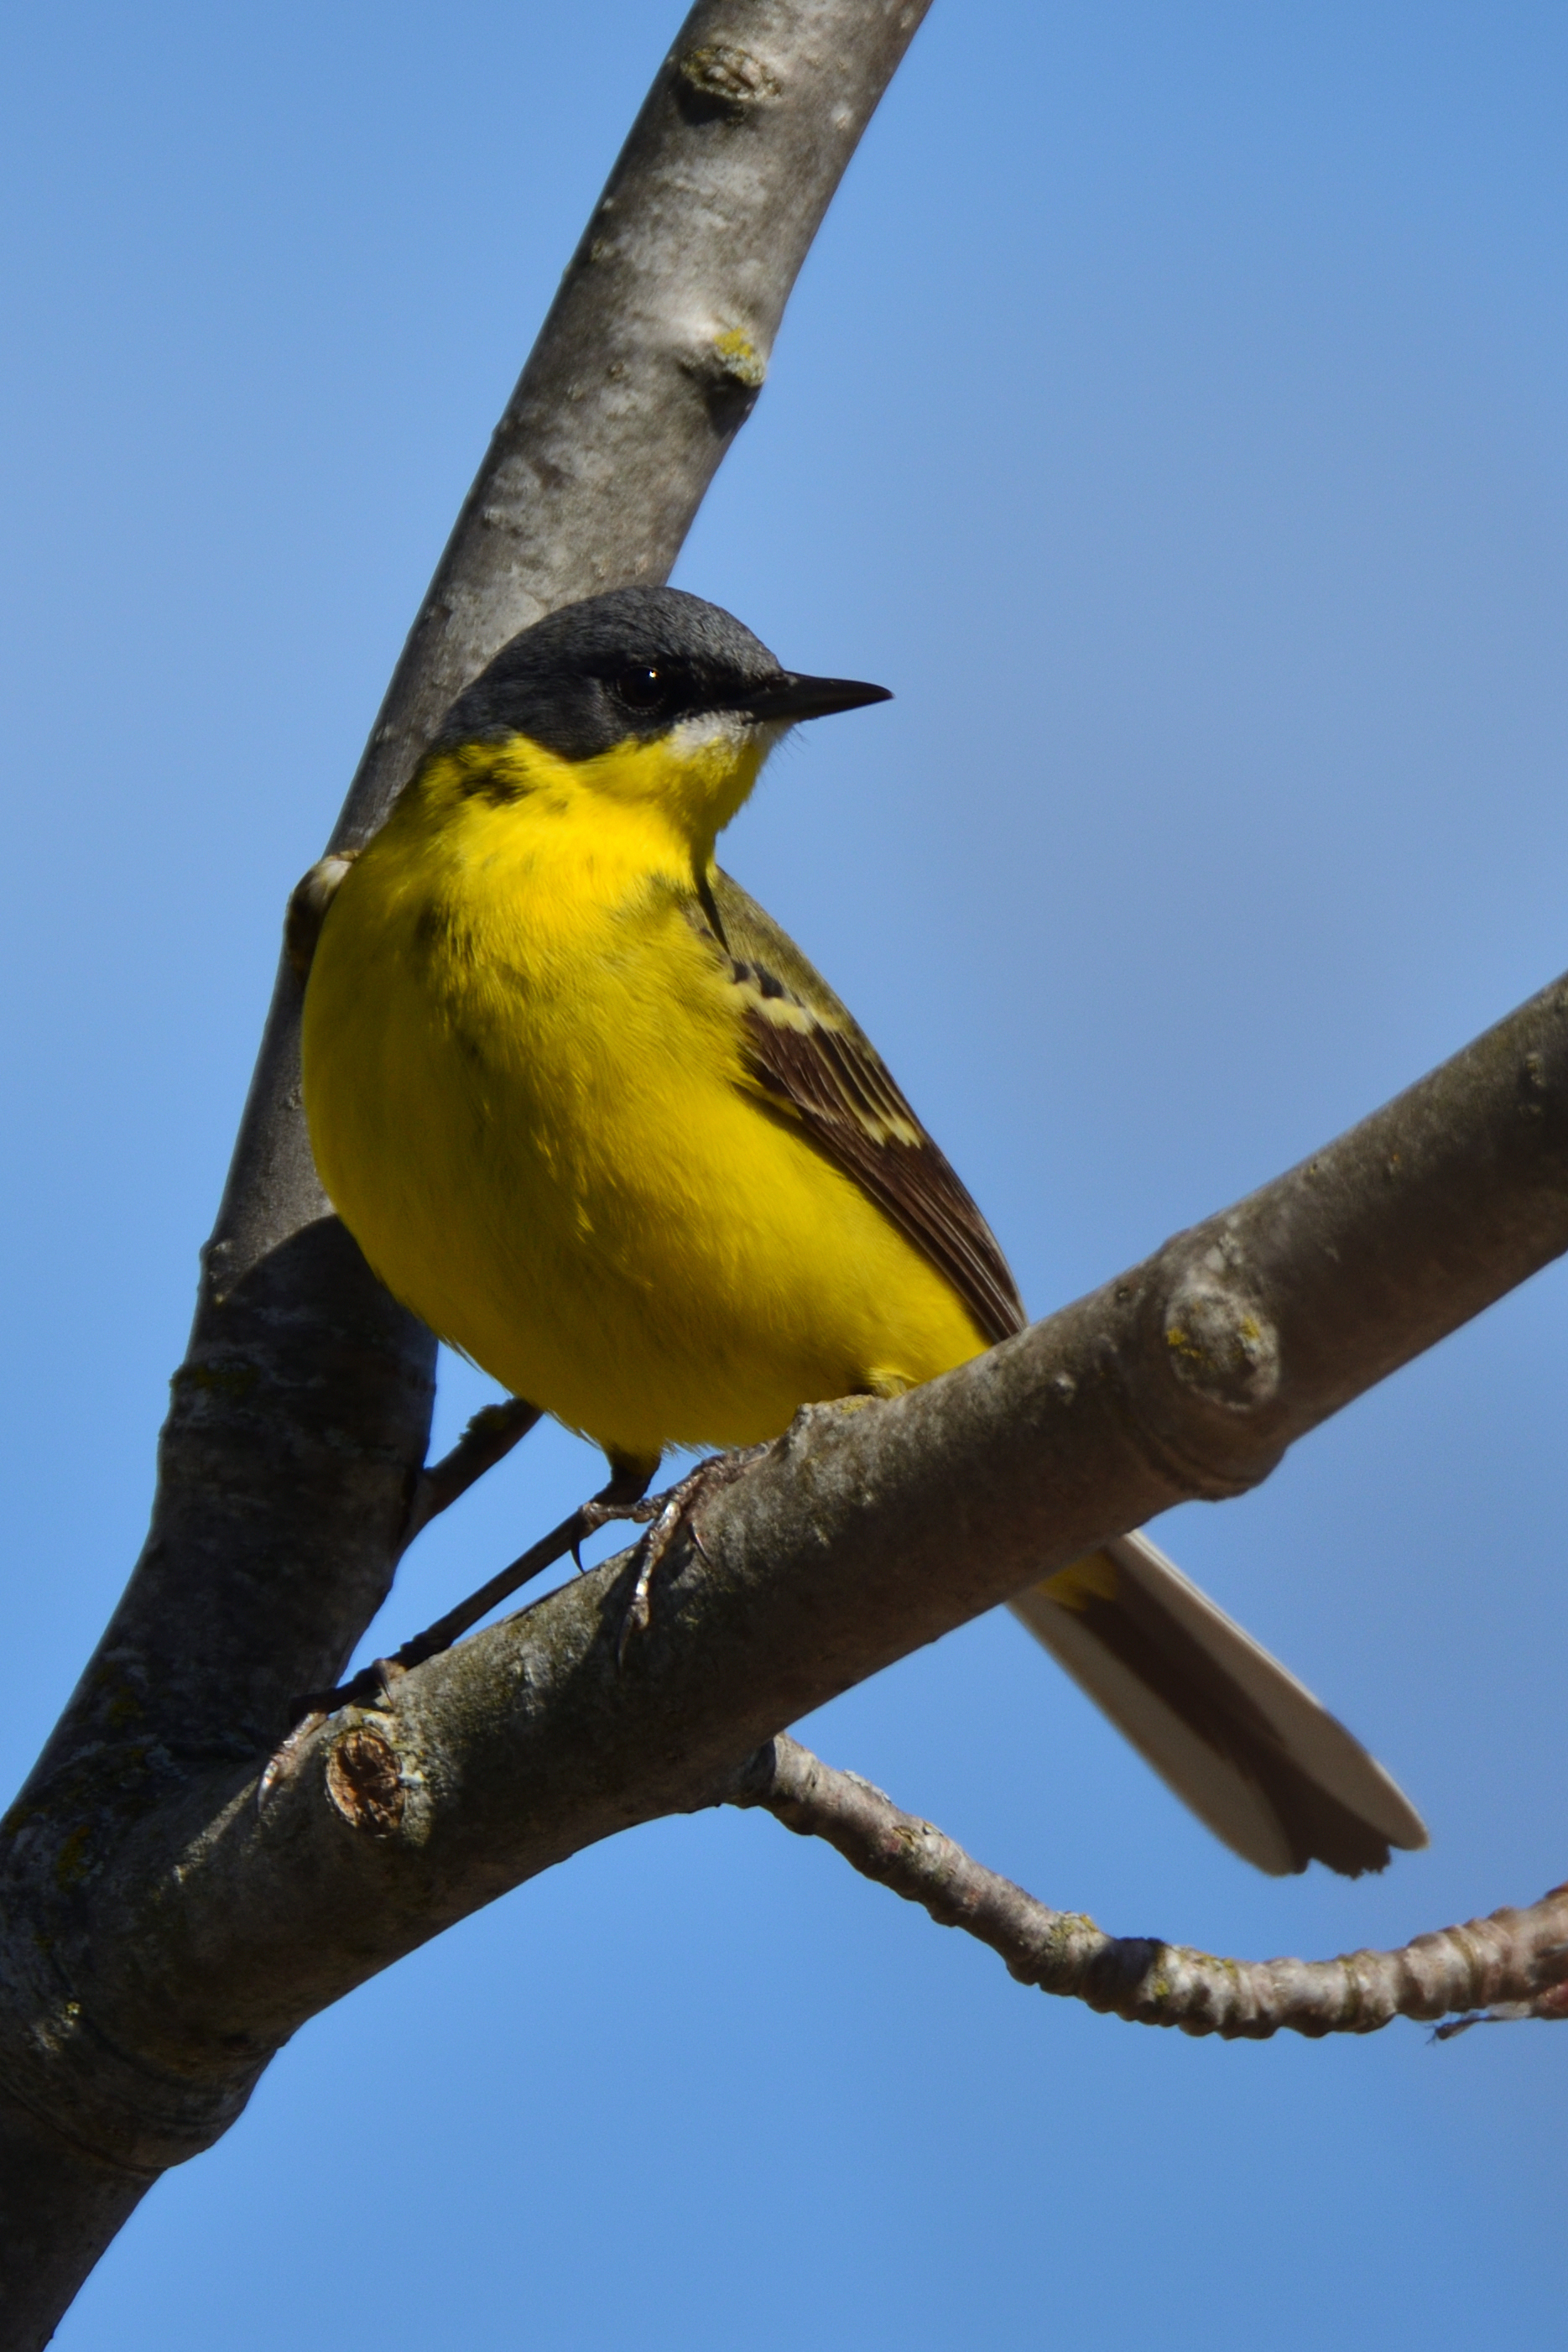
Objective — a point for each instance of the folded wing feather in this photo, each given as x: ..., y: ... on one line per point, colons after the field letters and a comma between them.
x: 1236, y: 1736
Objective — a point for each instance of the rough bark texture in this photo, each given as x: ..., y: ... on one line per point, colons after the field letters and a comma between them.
x: 1511, y: 1966
x: 300, y: 1416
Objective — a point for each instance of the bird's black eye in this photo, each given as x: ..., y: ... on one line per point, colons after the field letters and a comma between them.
x: 641, y: 687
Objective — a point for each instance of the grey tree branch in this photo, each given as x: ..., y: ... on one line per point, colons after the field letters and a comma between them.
x: 299, y: 1419
x: 1513, y: 1964
x: 219, y: 1922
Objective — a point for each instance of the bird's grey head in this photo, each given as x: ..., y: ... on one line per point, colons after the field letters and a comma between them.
x: 635, y: 663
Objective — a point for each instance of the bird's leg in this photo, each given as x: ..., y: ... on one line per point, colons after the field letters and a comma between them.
x: 621, y: 1497
x: 677, y: 1507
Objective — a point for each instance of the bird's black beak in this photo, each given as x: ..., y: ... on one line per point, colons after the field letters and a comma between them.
x: 789, y: 697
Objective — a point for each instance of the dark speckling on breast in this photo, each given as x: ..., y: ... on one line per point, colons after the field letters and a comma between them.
x: 437, y: 929
x: 489, y: 783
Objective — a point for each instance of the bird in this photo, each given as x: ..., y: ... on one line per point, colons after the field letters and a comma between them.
x: 590, y: 1114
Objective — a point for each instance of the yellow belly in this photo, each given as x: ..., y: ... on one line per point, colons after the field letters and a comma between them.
x: 526, y: 1096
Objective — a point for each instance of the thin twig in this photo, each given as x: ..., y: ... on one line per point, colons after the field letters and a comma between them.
x: 1511, y: 1965
x: 490, y: 1437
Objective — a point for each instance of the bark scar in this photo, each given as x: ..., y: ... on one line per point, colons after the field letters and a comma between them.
x: 364, y: 1780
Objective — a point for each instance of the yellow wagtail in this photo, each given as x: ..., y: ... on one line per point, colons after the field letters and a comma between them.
x: 591, y: 1115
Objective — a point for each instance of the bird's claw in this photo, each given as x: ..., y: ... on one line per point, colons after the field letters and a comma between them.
x: 371, y: 1687
x: 670, y: 1512
x: 594, y: 1515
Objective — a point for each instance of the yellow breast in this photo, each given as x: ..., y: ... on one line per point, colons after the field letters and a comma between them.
x: 524, y: 1088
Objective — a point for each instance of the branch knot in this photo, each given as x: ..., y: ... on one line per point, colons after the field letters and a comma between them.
x: 1218, y: 1343
x: 719, y: 79
x: 364, y: 1779
x: 1202, y: 1365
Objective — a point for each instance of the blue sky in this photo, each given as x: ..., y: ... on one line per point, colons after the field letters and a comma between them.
x: 1172, y: 413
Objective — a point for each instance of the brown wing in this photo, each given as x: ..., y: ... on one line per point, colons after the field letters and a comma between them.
x: 807, y: 1057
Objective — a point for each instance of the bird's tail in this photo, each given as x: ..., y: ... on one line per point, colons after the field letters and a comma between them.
x: 1225, y: 1727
